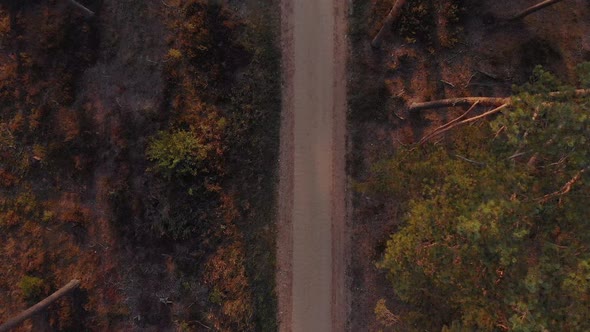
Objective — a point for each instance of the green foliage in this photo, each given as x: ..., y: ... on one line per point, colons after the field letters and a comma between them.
x: 502, y: 242
x: 179, y: 153
x: 417, y: 21
x: 421, y: 19
x: 33, y: 288
x: 584, y: 74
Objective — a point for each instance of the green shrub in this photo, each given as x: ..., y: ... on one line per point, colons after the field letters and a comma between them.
x: 33, y: 288
x: 179, y: 153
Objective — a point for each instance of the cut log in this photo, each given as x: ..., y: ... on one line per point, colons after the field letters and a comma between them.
x: 14, y: 322
x: 534, y: 8
x: 87, y: 11
x: 388, y: 22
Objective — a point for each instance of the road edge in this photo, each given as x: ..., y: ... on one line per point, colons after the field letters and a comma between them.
x: 340, y: 183
x: 284, y: 257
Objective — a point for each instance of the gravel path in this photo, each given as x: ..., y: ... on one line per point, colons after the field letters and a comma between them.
x: 312, y: 214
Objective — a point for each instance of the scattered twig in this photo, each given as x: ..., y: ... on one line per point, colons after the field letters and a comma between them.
x: 203, y: 325
x: 492, y: 76
x: 448, y: 83
x: 469, y: 81
x: 518, y: 154
x: 398, y: 116
x: 499, y: 131
x: 470, y: 160
x: 151, y: 61
x: 80, y: 6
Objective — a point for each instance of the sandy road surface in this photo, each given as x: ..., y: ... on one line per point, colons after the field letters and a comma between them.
x: 312, y: 224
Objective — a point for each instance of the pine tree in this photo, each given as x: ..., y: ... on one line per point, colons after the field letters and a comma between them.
x: 496, y: 234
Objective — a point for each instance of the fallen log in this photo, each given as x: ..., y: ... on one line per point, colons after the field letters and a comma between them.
x: 482, y: 101
x: 464, y: 101
x: 14, y: 322
x: 388, y: 22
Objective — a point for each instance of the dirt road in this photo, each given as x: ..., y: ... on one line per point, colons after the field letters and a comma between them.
x: 312, y: 223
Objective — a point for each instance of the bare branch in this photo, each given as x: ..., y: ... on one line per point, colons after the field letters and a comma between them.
x: 483, y: 115
x: 475, y: 118
x: 434, y: 132
x: 566, y: 187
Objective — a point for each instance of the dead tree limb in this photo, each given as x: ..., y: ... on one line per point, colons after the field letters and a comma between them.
x: 534, y: 8
x: 566, y: 187
x: 443, y: 127
x: 455, y: 124
x: 483, y: 115
x: 388, y: 22
x: 14, y: 322
x: 87, y: 11
x: 464, y: 101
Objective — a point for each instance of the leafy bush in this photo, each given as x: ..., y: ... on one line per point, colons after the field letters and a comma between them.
x: 179, y: 153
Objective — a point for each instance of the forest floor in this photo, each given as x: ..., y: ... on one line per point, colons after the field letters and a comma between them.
x: 312, y: 214
x: 96, y: 91
x: 481, y: 59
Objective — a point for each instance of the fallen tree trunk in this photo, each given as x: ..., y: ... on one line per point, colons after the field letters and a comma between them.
x: 388, y: 22
x: 14, y: 322
x: 482, y: 101
x: 80, y: 6
x: 534, y: 8
x: 465, y: 101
